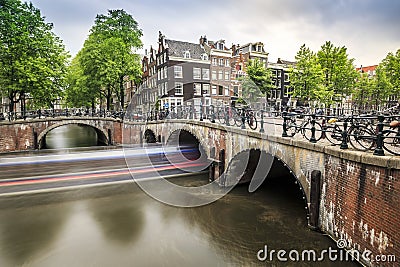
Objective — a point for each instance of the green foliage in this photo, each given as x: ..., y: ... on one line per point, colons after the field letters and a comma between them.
x: 108, y: 56
x: 388, y: 74
x: 339, y: 71
x: 323, y: 76
x: 307, y: 77
x: 32, y: 59
x: 257, y: 83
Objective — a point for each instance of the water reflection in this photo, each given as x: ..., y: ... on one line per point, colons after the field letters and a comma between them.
x: 69, y: 136
x: 122, y: 226
x: 30, y: 231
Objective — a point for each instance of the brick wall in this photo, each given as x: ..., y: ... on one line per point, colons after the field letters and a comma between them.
x: 360, y: 204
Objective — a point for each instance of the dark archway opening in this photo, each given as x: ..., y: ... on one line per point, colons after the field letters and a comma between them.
x: 73, y: 136
x: 150, y: 137
x: 187, y: 143
x: 278, y: 180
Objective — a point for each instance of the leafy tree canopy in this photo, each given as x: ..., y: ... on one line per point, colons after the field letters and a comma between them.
x: 32, y: 58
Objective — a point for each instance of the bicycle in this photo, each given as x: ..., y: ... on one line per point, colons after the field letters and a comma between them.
x: 305, y: 128
x: 392, y: 138
x: 359, y: 136
x: 248, y: 116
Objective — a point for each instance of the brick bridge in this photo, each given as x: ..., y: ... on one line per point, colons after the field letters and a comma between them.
x: 30, y: 134
x: 352, y: 196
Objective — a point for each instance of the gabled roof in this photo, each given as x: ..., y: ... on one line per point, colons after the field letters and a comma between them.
x: 178, y: 48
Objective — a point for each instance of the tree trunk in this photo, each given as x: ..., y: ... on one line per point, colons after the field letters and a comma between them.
x: 108, y: 98
x: 121, y: 87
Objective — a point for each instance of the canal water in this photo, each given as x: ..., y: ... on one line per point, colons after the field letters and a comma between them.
x: 122, y: 226
x: 69, y: 136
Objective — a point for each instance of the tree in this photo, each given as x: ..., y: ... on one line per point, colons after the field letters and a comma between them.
x: 339, y: 71
x: 109, y: 54
x: 32, y: 59
x: 362, y: 95
x: 258, y: 81
x: 388, y: 74
x: 306, y: 78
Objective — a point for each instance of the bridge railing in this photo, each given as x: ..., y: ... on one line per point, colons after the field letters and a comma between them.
x: 377, y: 133
x: 55, y: 113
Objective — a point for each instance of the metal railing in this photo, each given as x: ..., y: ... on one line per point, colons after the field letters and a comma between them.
x: 378, y: 133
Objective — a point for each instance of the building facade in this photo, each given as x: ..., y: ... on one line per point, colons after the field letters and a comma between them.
x: 220, y: 69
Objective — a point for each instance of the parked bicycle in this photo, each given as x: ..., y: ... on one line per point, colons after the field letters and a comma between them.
x: 305, y: 127
x: 359, y: 134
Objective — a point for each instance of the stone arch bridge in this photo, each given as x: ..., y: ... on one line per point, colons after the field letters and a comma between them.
x: 30, y: 134
x: 352, y: 196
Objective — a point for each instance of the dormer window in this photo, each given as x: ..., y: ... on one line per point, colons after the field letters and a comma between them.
x: 204, y: 56
x: 186, y: 54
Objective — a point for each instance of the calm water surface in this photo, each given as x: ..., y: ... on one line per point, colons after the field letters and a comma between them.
x: 122, y: 226
x: 72, y: 135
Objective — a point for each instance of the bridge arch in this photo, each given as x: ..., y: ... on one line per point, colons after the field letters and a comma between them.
x: 102, y: 136
x: 268, y: 167
x: 150, y: 136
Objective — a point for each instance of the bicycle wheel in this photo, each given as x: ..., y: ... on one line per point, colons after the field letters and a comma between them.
x: 306, y: 131
x: 221, y: 116
x: 236, y: 118
x: 361, y: 138
x: 291, y: 128
x: 333, y: 134
x: 392, y: 141
x: 252, y: 122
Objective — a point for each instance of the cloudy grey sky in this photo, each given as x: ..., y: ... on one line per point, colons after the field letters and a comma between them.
x: 368, y: 28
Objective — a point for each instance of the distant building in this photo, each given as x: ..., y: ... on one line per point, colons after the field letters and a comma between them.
x: 241, y: 55
x: 220, y: 70
x: 370, y: 70
x: 280, y: 93
x: 183, y: 73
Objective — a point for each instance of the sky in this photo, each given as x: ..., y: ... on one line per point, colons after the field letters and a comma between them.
x: 369, y: 29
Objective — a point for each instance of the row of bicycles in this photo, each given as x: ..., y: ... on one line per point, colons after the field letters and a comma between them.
x: 359, y: 131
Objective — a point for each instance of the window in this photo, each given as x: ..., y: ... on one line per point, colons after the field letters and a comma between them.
x: 206, y: 74
x: 227, y: 76
x: 214, y: 90
x: 178, y: 88
x: 206, y: 89
x: 221, y: 62
x: 197, y: 88
x: 226, y: 91
x: 186, y: 54
x: 166, y: 88
x: 220, y: 75
x: 286, y: 91
x: 196, y: 73
x: 178, y: 73
x: 204, y: 56
x: 214, y: 75
x: 279, y: 73
x: 278, y: 83
x: 227, y: 63
x: 220, y: 90
x: 165, y: 72
x: 214, y: 61
x: 286, y: 77
x: 236, y: 90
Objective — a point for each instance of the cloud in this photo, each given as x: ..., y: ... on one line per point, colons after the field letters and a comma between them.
x: 368, y: 28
